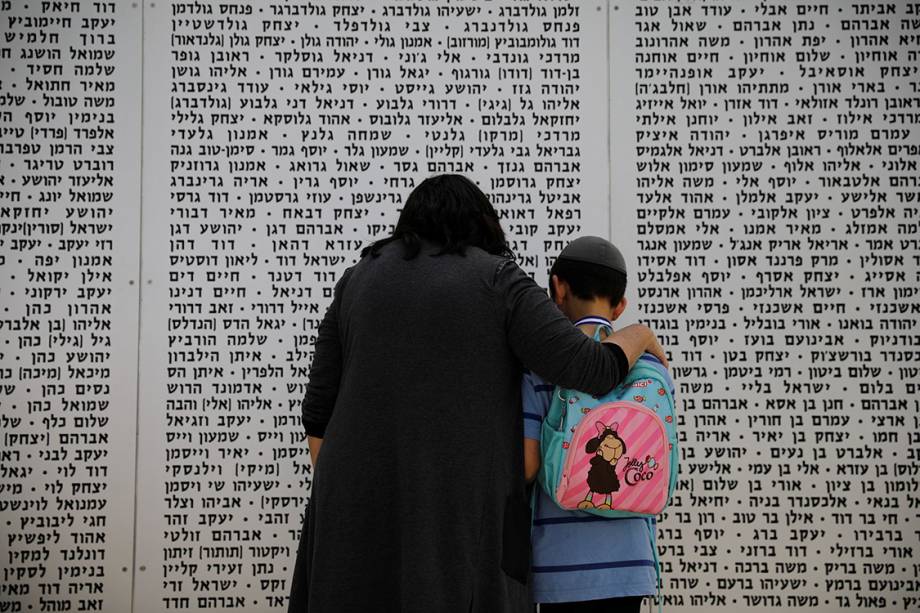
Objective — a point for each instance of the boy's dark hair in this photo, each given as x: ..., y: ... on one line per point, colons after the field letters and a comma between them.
x: 448, y: 210
x: 588, y: 281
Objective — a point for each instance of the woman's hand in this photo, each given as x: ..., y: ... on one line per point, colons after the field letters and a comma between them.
x: 635, y: 340
x: 314, y: 443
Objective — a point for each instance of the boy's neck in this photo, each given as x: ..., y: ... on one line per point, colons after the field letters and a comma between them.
x: 597, y: 307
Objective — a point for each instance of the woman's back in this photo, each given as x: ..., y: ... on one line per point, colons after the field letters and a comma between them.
x: 423, y: 437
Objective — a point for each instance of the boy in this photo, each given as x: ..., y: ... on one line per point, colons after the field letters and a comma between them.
x: 584, y: 562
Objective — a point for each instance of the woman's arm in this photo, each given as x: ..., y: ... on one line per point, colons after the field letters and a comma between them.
x: 325, y: 373
x: 314, y: 443
x: 546, y: 342
x: 635, y: 340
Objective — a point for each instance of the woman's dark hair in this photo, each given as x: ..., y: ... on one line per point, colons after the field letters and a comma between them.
x: 588, y: 281
x: 450, y: 211
x: 593, y: 444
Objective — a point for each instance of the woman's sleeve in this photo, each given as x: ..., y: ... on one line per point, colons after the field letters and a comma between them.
x: 547, y: 343
x: 326, y: 369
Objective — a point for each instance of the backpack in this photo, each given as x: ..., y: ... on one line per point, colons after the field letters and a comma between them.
x: 613, y: 455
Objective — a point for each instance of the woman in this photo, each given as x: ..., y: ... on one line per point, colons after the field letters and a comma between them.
x: 413, y: 414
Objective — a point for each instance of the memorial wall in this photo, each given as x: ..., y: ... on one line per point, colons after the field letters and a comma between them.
x: 182, y: 183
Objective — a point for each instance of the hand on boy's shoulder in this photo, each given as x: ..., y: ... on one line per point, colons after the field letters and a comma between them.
x: 636, y: 339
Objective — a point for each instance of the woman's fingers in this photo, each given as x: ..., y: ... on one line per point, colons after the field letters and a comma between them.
x: 635, y: 340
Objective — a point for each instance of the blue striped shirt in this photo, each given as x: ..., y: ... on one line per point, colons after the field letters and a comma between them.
x: 578, y: 556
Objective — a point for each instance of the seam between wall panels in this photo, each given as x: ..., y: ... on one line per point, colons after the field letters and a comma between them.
x: 609, y: 108
x: 140, y: 288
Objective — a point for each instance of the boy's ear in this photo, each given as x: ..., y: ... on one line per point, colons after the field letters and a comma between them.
x: 560, y: 290
x: 618, y: 309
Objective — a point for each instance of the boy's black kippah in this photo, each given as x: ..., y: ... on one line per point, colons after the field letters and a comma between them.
x: 594, y: 250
